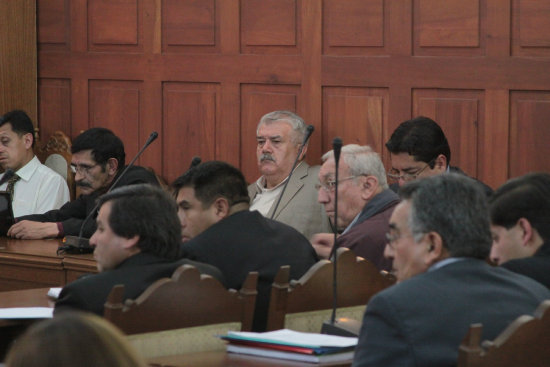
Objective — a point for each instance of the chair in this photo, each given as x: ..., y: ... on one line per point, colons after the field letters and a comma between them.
x: 525, y: 342
x: 169, y: 317
x: 305, y: 303
x: 56, y: 154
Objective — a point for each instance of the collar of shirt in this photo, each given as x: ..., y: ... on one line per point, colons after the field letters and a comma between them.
x: 260, y: 183
x: 28, y: 169
x: 445, y: 262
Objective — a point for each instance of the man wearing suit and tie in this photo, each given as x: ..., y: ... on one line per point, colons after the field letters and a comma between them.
x: 279, y: 135
x: 439, y: 239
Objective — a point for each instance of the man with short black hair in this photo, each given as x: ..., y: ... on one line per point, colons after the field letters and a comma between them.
x: 98, y: 159
x: 419, y: 148
x: 219, y: 229
x: 520, y: 225
x: 136, y: 242
x: 35, y: 188
x: 439, y: 239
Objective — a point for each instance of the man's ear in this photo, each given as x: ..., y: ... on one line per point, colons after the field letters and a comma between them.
x: 131, y: 242
x: 303, y: 154
x: 435, y: 251
x: 27, y: 140
x: 221, y: 207
x: 529, y: 235
x: 369, y: 187
x: 440, y: 163
x: 112, y: 166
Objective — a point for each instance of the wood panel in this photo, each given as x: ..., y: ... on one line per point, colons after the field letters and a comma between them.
x: 202, y: 73
x: 18, y: 71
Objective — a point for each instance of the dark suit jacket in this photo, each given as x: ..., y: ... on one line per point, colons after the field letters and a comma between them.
x: 421, y: 321
x: 367, y: 237
x: 139, y: 271
x: 72, y: 214
x: 536, y: 266
x: 245, y: 242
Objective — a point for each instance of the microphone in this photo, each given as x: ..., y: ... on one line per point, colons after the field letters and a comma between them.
x: 342, y: 327
x: 195, y: 162
x: 307, y: 135
x: 7, y: 175
x: 80, y: 244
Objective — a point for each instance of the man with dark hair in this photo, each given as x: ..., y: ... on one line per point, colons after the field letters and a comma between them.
x: 418, y: 148
x: 520, y: 225
x: 136, y: 243
x: 439, y: 238
x: 279, y: 135
x: 98, y: 160
x: 219, y: 229
x: 34, y: 188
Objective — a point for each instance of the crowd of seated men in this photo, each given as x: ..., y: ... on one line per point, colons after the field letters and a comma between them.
x: 432, y: 226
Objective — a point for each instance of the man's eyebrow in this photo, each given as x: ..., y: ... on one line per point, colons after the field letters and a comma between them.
x: 393, y: 226
x: 269, y: 137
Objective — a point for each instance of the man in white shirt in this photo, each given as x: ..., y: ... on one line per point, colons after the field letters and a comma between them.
x: 35, y: 187
x: 279, y: 135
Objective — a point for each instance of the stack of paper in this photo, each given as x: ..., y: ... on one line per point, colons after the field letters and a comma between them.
x: 293, y: 345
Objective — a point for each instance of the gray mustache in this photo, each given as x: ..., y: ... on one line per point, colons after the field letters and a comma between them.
x: 267, y: 157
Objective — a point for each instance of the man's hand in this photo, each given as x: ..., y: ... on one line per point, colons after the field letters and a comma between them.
x: 29, y: 230
x: 322, y: 243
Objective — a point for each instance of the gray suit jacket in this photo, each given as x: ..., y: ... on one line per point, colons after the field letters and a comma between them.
x: 299, y: 207
x: 421, y: 321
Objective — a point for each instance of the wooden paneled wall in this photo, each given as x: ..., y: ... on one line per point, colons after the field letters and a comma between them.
x: 202, y: 72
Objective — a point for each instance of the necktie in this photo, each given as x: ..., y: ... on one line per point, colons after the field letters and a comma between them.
x: 11, y: 184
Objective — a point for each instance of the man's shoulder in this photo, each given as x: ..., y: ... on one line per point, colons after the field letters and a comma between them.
x: 138, y: 174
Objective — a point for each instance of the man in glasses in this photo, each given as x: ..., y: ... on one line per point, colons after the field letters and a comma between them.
x: 98, y: 159
x: 365, y: 204
x: 34, y: 188
x: 439, y: 239
x: 418, y: 148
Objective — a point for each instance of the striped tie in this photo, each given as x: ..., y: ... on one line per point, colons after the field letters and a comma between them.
x: 11, y: 184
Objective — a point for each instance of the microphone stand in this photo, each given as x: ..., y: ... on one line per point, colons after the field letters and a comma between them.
x: 309, y: 131
x: 80, y: 244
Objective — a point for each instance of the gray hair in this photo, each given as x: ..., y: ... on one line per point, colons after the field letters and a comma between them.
x: 296, y: 122
x: 453, y: 205
x: 362, y: 160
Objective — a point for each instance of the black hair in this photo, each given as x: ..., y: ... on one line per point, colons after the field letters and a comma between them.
x: 422, y: 138
x: 150, y: 213
x: 212, y: 180
x: 103, y: 143
x: 20, y: 123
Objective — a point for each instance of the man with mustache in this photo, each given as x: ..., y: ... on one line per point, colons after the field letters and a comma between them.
x: 279, y: 136
x: 35, y: 188
x: 98, y: 159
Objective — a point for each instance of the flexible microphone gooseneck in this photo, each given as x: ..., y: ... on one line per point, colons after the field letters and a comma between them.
x: 81, y: 244
x: 337, y: 148
x: 309, y: 131
x: 195, y: 162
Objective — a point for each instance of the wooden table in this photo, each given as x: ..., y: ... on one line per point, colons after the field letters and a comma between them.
x: 26, y: 264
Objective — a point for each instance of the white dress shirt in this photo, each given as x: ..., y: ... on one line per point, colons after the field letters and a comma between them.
x: 39, y: 190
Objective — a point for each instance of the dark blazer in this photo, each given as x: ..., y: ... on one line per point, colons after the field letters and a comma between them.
x: 137, y: 272
x: 421, y: 321
x: 536, y: 267
x: 72, y: 214
x: 367, y: 237
x: 245, y: 242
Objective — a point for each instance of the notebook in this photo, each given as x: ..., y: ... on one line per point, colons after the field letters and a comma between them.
x: 6, y: 213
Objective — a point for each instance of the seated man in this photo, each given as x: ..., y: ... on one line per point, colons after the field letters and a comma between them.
x: 279, y: 135
x: 35, y: 188
x: 520, y: 225
x: 218, y: 229
x: 136, y: 243
x: 419, y: 148
x: 365, y: 204
x: 439, y: 239
x: 98, y: 160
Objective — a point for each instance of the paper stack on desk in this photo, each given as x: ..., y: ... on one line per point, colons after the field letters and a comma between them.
x: 292, y: 345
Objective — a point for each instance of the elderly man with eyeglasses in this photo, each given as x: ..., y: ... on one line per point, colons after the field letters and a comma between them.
x: 418, y: 148
x: 365, y: 204
x: 98, y: 159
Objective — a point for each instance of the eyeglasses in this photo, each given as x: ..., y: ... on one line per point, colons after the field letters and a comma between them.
x: 83, y: 169
x: 406, y: 176
x: 392, y: 238
x: 330, y: 186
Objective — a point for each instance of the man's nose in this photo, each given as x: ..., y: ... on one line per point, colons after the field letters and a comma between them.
x: 322, y: 196
x: 388, y: 251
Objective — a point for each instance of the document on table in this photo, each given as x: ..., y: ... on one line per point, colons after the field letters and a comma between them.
x: 26, y: 313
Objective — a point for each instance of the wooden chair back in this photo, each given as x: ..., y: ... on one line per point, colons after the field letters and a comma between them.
x: 187, y: 299
x: 56, y: 154
x: 525, y: 342
x: 358, y: 280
